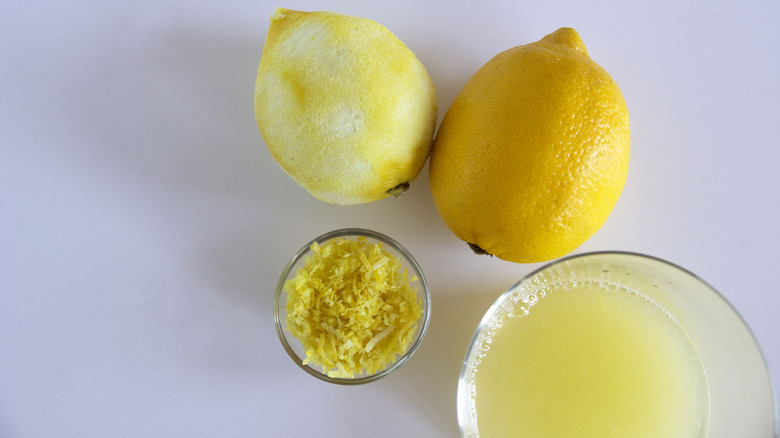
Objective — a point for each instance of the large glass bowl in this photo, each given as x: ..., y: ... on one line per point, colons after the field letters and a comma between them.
x: 741, y: 396
x: 294, y: 347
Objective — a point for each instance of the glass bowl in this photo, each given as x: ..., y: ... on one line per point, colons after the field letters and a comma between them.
x: 741, y: 400
x: 295, y: 348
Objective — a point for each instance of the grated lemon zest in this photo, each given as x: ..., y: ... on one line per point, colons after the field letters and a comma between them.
x: 353, y: 307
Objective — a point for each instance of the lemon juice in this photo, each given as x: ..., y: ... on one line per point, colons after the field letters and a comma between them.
x: 584, y: 359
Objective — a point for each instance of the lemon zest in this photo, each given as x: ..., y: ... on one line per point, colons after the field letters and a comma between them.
x: 353, y: 306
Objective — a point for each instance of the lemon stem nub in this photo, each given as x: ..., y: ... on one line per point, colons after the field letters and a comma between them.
x: 399, y: 190
x: 479, y: 251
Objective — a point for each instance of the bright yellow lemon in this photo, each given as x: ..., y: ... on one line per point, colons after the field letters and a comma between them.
x: 531, y: 158
x: 343, y: 105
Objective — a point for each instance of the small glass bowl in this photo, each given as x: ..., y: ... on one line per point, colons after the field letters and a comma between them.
x: 293, y: 345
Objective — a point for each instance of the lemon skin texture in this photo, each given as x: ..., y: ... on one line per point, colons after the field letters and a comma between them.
x: 533, y: 154
x: 344, y: 107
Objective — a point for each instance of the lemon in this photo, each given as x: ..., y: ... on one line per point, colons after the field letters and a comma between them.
x: 532, y: 156
x: 344, y: 107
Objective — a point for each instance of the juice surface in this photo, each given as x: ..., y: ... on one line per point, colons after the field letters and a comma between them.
x: 591, y: 362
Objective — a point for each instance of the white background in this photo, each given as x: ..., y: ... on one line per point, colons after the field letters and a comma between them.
x: 143, y: 223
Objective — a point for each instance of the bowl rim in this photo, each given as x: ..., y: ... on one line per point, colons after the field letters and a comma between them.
x: 423, y: 294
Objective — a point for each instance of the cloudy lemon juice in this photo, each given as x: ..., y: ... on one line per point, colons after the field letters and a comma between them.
x: 586, y: 359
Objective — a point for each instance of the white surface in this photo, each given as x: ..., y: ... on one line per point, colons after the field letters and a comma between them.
x: 144, y: 224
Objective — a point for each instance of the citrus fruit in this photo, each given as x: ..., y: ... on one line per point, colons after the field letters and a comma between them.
x: 344, y: 107
x: 532, y: 155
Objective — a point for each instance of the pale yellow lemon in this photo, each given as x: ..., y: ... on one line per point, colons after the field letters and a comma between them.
x: 532, y: 156
x: 345, y: 108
